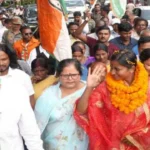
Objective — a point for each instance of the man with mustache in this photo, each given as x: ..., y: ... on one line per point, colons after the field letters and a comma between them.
x: 78, y: 19
x: 103, y: 34
x: 17, y: 120
x: 8, y: 61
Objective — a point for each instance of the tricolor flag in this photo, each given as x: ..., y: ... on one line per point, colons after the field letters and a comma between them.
x: 63, y: 5
x: 53, y: 30
x: 118, y: 7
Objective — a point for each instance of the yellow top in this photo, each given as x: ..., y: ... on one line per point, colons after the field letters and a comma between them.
x: 42, y: 85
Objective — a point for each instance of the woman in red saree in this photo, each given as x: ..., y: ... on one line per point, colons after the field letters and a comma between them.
x: 116, y: 114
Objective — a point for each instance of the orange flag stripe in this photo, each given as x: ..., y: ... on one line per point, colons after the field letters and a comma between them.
x: 50, y: 24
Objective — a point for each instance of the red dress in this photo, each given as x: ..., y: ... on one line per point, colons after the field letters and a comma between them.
x: 110, y: 129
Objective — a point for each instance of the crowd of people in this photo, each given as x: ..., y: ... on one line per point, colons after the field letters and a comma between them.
x: 97, y: 100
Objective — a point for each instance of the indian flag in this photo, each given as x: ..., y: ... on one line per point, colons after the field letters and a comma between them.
x: 118, y: 7
x: 54, y: 35
x: 63, y: 5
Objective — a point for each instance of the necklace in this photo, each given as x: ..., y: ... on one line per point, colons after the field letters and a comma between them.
x: 129, y: 98
x: 24, y: 53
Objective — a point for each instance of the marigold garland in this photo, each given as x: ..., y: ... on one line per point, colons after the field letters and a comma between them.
x: 129, y: 98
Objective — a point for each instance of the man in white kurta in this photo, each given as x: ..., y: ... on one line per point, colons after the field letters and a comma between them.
x: 16, y: 118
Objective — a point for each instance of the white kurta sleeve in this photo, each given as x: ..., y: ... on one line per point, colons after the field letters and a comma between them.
x: 28, y: 126
x: 28, y: 84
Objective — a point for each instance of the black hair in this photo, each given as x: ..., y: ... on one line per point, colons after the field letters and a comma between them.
x: 125, y: 58
x: 40, y: 61
x: 24, y: 28
x: 45, y: 63
x: 137, y: 20
x: 79, y: 42
x: 12, y: 56
x: 126, y: 17
x: 76, y: 48
x: 124, y: 26
x: 102, y: 28
x: 77, y: 13
x: 137, y: 12
x: 72, y: 23
x: 97, y: 5
x: 105, y: 8
x: 7, y: 20
x: 100, y: 46
x: 145, y: 55
x: 65, y: 63
x: 143, y: 40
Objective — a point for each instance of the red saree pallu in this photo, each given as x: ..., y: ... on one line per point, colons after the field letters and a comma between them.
x: 110, y: 129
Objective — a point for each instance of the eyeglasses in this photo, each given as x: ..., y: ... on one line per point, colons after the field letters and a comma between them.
x: 28, y: 33
x: 66, y: 76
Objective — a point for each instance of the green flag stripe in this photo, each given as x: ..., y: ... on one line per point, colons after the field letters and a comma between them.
x: 63, y: 5
x: 116, y: 5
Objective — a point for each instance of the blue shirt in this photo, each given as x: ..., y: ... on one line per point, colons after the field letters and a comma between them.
x: 118, y: 42
x: 84, y: 73
x: 135, y: 49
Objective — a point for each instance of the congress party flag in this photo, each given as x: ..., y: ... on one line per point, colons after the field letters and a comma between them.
x: 118, y: 7
x: 64, y: 8
x: 54, y: 35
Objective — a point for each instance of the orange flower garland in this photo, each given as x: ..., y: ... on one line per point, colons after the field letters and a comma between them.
x: 129, y: 98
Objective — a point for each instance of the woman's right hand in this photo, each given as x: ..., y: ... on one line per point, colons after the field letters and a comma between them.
x: 96, y: 76
x: 35, y: 79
